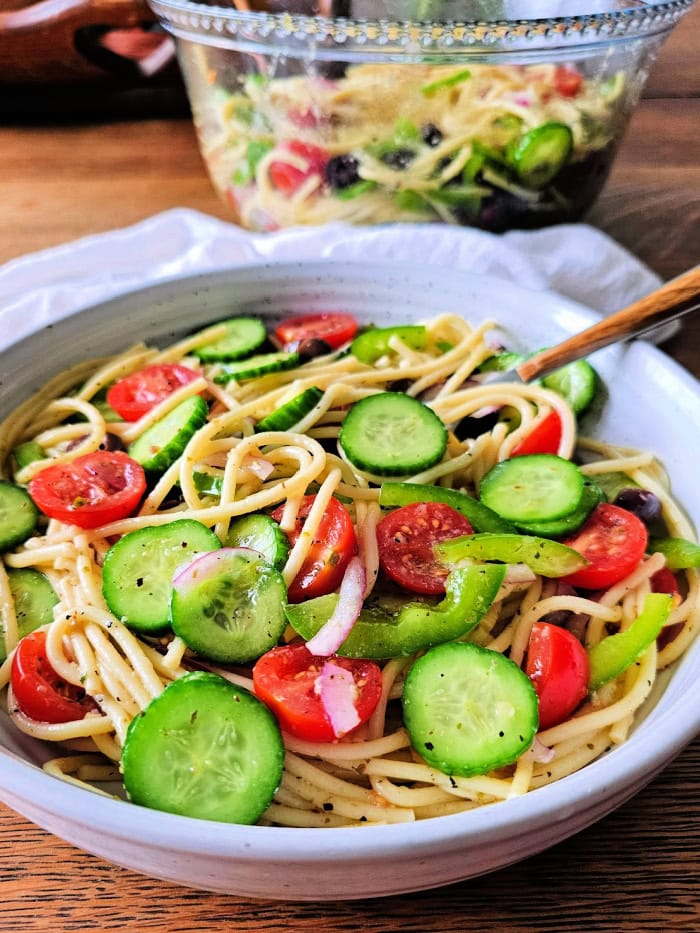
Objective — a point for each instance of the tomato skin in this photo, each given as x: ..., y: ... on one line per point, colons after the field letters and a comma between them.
x: 557, y: 664
x: 288, y: 178
x: 664, y: 581
x: 567, y: 81
x: 92, y: 490
x: 285, y: 680
x: 136, y: 394
x: 38, y: 690
x: 614, y: 541
x: 544, y: 438
x: 335, y: 327
x: 333, y: 545
x: 406, y: 537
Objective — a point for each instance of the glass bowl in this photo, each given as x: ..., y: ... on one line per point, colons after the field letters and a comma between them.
x: 488, y: 114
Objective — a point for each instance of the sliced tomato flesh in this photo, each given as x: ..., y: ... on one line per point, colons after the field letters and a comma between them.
x: 38, y: 690
x: 307, y: 161
x: 557, y: 665
x: 92, y: 490
x: 613, y: 540
x: 567, y: 80
x: 336, y: 328
x: 334, y: 543
x: 544, y: 438
x: 286, y: 680
x: 136, y: 394
x: 405, y: 538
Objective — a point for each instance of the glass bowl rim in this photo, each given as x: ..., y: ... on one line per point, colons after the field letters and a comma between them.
x: 640, y: 19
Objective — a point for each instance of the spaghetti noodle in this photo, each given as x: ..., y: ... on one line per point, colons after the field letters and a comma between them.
x: 373, y: 775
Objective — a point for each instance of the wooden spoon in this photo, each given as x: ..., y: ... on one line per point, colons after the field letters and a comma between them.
x: 675, y: 298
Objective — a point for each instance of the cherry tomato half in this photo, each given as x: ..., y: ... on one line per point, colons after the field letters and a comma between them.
x: 288, y: 177
x: 557, y: 665
x: 136, y: 394
x: 334, y: 327
x: 40, y: 693
x: 333, y: 545
x: 544, y: 438
x: 567, y: 81
x: 613, y: 540
x: 406, y: 537
x: 91, y: 490
x: 285, y: 679
x: 664, y: 581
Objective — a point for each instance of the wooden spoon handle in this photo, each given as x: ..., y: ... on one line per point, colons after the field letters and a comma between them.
x: 674, y: 298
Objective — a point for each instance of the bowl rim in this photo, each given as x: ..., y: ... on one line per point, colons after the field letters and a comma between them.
x: 214, y: 25
x: 672, y: 727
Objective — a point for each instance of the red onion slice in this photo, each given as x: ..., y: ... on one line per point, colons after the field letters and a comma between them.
x: 258, y: 466
x: 336, y: 687
x: 334, y: 632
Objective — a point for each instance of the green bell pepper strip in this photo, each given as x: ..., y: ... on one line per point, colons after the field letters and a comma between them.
x: 368, y: 346
x: 543, y: 556
x: 27, y: 453
x: 680, y: 554
x: 613, y: 482
x: 380, y: 633
x: 614, y: 654
x: 481, y: 517
x: 429, y: 89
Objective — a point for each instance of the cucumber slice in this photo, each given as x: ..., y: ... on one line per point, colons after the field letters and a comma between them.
x: 374, y: 342
x: 540, y: 154
x: 229, y: 605
x: 34, y: 599
x: 291, y: 413
x: 577, y: 383
x: 501, y: 362
x: 204, y: 748
x: 469, y: 710
x: 138, y: 571
x: 263, y: 534
x: 392, y: 434
x: 243, y: 336
x: 255, y: 366
x: 533, y: 488
x: 160, y: 445
x: 18, y: 515
x: 593, y: 495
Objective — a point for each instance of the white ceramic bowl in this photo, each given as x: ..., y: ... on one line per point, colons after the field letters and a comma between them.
x: 650, y: 403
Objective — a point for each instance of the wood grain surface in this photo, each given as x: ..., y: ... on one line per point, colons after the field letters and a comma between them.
x: 638, y: 870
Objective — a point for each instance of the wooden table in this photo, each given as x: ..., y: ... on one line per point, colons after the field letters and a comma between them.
x: 637, y: 870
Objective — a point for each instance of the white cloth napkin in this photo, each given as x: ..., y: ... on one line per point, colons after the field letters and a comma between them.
x: 575, y: 260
